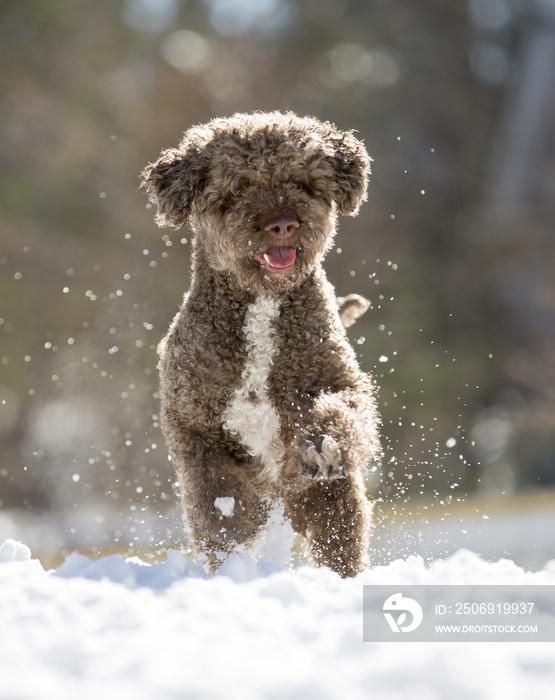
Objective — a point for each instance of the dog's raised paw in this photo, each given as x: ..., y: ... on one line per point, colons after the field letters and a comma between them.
x: 323, y: 462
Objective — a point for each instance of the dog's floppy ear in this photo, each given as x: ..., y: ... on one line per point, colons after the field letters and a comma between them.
x: 171, y: 184
x: 351, y: 167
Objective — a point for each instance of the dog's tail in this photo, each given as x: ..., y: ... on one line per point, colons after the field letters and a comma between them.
x: 352, y: 307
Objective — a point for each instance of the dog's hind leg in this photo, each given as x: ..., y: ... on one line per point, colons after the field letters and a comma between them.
x: 335, y: 517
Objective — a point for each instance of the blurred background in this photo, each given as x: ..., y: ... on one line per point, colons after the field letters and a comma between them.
x: 455, y: 247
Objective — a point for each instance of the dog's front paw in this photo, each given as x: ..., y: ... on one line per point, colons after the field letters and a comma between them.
x: 323, y: 460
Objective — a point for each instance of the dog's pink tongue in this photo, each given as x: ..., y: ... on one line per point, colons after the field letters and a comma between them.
x: 280, y: 256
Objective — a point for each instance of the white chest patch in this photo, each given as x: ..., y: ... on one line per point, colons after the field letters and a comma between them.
x: 250, y: 415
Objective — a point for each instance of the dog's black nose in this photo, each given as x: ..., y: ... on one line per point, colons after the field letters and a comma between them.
x: 282, y: 226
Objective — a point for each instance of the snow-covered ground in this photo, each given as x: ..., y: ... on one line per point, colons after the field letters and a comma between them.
x: 518, y: 527
x: 117, y: 628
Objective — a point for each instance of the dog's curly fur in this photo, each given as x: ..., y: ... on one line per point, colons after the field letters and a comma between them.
x: 262, y: 396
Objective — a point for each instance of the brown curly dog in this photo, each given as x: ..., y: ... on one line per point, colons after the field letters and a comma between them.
x: 262, y: 397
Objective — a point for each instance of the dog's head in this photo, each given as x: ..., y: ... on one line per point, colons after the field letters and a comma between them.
x: 261, y: 192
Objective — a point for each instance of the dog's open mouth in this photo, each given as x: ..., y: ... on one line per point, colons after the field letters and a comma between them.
x: 277, y: 258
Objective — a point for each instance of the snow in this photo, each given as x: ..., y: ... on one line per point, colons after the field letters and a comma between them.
x: 122, y: 628
x: 225, y: 504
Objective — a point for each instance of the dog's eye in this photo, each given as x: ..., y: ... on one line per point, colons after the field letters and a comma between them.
x: 299, y: 186
x: 239, y: 191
